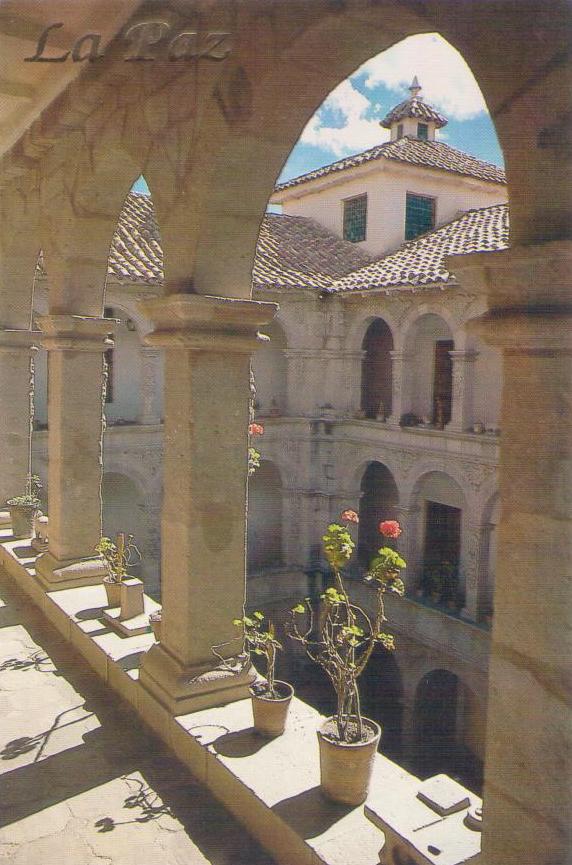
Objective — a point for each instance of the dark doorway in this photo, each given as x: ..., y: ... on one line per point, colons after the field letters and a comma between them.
x: 376, y: 383
x: 442, y: 537
x: 443, y: 382
x: 378, y: 502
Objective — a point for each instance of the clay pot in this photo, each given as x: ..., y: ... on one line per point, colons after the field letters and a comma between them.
x: 113, y: 590
x: 345, y: 768
x: 23, y: 517
x: 155, y: 622
x: 270, y: 713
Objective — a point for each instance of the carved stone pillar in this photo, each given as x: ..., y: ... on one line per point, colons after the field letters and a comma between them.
x: 476, y: 571
x: 528, y: 766
x: 399, y: 361
x: 149, y: 406
x: 16, y: 386
x: 463, y: 380
x: 75, y: 347
x: 208, y: 342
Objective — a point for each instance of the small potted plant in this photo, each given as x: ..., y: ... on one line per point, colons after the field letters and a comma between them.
x: 155, y: 622
x: 23, y: 509
x: 346, y: 638
x: 270, y: 698
x: 118, y: 556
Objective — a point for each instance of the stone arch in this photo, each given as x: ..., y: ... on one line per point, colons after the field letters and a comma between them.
x: 428, y: 379
x: 439, y: 552
x: 265, y: 518
x: 361, y: 323
x: 379, y: 501
x: 270, y: 368
x: 376, y: 374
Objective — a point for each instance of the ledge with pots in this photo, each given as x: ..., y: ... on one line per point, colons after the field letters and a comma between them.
x: 271, y: 785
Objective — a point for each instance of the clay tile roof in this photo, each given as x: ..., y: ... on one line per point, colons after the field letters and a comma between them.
x: 429, y: 154
x: 421, y: 262
x: 416, y: 108
x: 291, y: 251
x: 297, y: 251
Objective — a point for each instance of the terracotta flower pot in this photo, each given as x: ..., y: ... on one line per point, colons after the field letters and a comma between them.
x: 270, y: 713
x: 155, y: 622
x: 22, y: 517
x: 346, y: 767
x: 113, y: 591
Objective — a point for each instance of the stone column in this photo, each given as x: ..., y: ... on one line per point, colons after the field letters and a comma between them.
x: 349, y: 389
x: 16, y: 387
x: 476, y: 571
x: 208, y: 342
x: 528, y: 766
x: 149, y: 411
x: 399, y: 361
x: 408, y: 544
x: 75, y: 347
x: 463, y: 377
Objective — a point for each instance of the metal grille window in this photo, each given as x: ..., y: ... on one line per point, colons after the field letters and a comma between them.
x: 419, y: 215
x: 355, y: 218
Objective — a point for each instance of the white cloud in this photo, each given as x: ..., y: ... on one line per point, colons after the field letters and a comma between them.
x: 348, y: 121
x: 447, y: 81
x: 357, y: 132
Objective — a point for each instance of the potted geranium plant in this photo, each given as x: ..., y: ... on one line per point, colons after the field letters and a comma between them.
x: 270, y: 697
x: 118, y: 556
x: 23, y: 509
x: 346, y: 638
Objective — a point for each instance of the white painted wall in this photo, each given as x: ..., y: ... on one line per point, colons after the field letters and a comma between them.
x: 386, y: 184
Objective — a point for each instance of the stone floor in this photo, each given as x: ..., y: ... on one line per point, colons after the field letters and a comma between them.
x: 82, y: 782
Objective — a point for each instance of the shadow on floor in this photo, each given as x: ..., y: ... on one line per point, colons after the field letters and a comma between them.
x: 118, y: 747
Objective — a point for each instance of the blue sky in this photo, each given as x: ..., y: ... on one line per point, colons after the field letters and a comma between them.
x: 348, y: 120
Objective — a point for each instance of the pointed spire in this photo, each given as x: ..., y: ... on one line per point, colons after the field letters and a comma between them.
x: 415, y: 88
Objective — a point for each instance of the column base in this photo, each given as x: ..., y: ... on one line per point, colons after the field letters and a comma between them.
x: 5, y: 519
x: 54, y: 574
x: 182, y: 689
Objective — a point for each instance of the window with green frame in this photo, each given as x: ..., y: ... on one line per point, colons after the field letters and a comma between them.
x: 423, y: 131
x: 419, y: 215
x: 355, y: 218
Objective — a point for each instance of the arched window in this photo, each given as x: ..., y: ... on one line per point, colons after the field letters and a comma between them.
x: 376, y: 385
x: 429, y: 387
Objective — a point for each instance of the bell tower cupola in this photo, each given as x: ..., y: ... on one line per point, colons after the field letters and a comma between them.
x: 414, y: 117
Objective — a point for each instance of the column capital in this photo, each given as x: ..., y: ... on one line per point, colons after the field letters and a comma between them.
x: 76, y: 332
x: 526, y: 330
x: 200, y: 322
x: 520, y: 275
x: 19, y: 340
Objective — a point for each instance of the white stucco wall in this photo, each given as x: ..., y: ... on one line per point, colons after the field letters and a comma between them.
x: 386, y: 184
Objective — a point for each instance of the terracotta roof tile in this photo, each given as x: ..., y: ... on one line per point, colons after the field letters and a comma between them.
x: 430, y: 154
x: 421, y: 262
x: 291, y: 251
x: 417, y: 108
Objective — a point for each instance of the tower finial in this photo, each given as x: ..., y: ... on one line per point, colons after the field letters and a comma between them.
x: 415, y: 88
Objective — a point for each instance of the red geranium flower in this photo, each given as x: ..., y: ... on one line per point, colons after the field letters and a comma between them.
x: 349, y: 516
x: 390, y: 528
x: 255, y: 429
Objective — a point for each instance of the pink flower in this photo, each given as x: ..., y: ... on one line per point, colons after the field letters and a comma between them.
x: 349, y: 516
x: 390, y: 528
x: 255, y: 429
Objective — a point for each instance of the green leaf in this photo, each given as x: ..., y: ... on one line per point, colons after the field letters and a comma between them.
x: 299, y: 608
x: 258, y: 615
